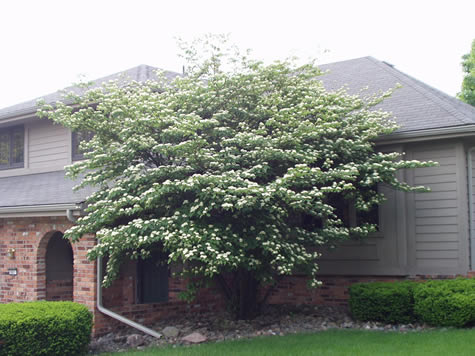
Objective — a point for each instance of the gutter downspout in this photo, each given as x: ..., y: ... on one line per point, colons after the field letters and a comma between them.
x: 116, y: 316
x: 471, y: 233
x: 70, y: 216
x: 100, y: 307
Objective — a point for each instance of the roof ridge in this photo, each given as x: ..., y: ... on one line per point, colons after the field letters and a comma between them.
x: 346, y: 60
x: 436, y: 96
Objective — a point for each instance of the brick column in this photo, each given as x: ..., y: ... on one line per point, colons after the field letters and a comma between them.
x: 85, y: 278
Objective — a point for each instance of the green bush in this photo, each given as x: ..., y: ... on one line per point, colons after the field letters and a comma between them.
x: 383, y: 301
x: 446, y: 302
x: 44, y: 328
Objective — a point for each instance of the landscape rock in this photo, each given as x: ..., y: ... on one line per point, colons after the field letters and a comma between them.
x: 170, y: 331
x: 195, y: 338
x: 135, y: 340
x: 220, y: 326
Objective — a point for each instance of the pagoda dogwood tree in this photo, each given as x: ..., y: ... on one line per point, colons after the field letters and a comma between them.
x: 238, y: 176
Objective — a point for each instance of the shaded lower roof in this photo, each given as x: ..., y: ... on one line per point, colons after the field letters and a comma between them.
x: 40, y: 189
x: 415, y: 106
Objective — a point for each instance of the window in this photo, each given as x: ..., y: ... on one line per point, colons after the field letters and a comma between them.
x: 342, y: 207
x: 372, y: 215
x: 152, y: 279
x: 77, y: 138
x: 12, y: 147
x: 346, y: 211
x: 369, y: 217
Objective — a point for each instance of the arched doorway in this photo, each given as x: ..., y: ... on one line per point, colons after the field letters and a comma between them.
x: 59, y: 268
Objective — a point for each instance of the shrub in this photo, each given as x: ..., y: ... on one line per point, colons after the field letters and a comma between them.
x: 446, y: 302
x: 44, y: 328
x: 382, y: 301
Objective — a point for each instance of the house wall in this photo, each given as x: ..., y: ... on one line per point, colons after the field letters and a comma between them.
x: 29, y: 238
x: 422, y: 236
x: 421, y: 233
x: 292, y: 290
x: 438, y: 221
x: 49, y: 145
x: 121, y: 298
x: 47, y: 148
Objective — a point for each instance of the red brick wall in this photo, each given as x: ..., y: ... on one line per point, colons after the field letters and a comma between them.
x: 121, y: 298
x: 29, y: 237
x: 334, y: 289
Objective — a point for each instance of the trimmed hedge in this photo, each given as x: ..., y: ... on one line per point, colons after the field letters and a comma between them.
x: 449, y: 302
x: 446, y: 302
x: 385, y: 302
x: 44, y: 328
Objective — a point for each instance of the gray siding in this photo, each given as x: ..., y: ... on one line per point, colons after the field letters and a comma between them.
x: 48, y: 145
x: 421, y: 233
x: 437, y: 230
x: 381, y: 254
x: 47, y: 148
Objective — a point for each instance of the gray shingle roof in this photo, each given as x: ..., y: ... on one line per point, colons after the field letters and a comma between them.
x: 140, y: 73
x: 40, y: 189
x: 416, y: 106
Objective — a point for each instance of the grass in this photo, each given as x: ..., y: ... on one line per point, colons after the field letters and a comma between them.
x: 445, y: 342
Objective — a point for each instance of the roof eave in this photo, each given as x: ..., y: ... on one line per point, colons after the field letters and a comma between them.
x: 39, y: 210
x: 17, y: 116
x: 429, y: 134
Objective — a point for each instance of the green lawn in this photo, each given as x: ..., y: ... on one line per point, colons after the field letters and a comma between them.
x: 334, y: 342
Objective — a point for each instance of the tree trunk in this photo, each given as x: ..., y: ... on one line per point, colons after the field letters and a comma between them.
x: 241, y: 294
x: 248, y: 289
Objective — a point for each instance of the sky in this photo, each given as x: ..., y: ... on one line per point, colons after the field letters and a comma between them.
x: 48, y: 45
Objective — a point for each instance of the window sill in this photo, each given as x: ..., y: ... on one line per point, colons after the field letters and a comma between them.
x: 376, y: 235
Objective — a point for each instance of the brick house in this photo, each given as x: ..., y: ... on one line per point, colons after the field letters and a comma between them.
x: 420, y: 235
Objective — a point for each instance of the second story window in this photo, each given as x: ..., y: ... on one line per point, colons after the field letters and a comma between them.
x: 12, y: 147
x: 77, y: 138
